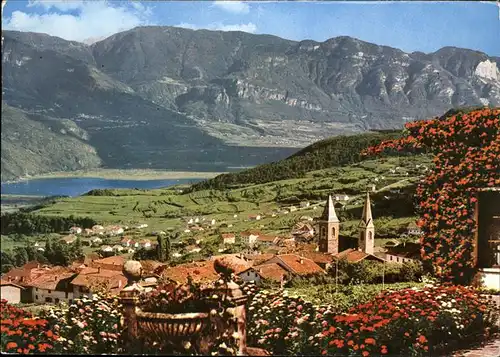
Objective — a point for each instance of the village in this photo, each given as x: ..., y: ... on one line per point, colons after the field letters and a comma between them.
x: 313, y: 245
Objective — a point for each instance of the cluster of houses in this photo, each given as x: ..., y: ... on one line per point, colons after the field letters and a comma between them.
x: 44, y: 284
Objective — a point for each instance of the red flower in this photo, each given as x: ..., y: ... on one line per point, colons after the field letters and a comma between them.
x: 10, y: 345
x: 422, y: 339
x: 370, y: 341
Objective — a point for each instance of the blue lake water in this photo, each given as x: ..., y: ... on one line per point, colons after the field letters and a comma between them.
x: 75, y: 186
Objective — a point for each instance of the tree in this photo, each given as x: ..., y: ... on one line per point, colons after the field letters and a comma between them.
x: 77, y: 250
x: 20, y: 256
x: 49, y: 250
x: 168, y: 248
x: 160, y: 248
x: 61, y: 254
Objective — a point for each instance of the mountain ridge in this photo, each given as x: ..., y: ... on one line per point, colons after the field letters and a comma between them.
x: 147, y: 94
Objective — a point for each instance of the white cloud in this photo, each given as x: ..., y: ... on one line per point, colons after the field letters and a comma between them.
x: 217, y: 26
x: 62, y: 5
x: 93, y: 19
x: 235, y: 7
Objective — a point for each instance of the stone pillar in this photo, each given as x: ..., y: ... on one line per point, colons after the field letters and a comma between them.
x: 129, y: 298
x: 238, y: 300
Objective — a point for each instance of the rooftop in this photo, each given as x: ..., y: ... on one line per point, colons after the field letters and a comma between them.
x: 355, y: 255
x: 299, y: 265
x: 199, y: 272
x: 271, y: 271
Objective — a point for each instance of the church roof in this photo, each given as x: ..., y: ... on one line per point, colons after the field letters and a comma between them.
x: 329, y: 213
x: 367, y: 219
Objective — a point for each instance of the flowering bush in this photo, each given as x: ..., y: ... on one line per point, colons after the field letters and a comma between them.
x: 88, y: 326
x: 410, y: 322
x: 279, y: 323
x: 467, y: 156
x: 23, y: 333
x: 221, y: 338
x: 174, y: 298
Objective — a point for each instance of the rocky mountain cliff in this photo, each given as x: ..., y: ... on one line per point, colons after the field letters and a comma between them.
x: 146, y: 95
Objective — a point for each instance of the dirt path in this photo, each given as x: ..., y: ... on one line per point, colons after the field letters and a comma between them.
x: 490, y: 349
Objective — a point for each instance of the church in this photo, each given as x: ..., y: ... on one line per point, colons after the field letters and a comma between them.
x: 329, y: 229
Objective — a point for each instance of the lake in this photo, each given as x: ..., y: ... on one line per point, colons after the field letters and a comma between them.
x: 75, y: 186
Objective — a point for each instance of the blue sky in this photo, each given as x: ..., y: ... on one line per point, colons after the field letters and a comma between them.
x: 410, y: 26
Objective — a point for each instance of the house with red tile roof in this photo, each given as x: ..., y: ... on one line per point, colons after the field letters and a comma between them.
x: 259, y: 273
x: 92, y: 278
x: 228, y: 238
x: 320, y: 258
x: 267, y: 240
x: 236, y: 261
x: 249, y: 237
x: 296, y: 265
x: 111, y: 263
x: 53, y: 286
x: 24, y: 274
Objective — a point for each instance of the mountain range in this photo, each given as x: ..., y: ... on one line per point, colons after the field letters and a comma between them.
x: 166, y: 97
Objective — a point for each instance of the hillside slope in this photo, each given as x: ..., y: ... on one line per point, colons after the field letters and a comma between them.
x: 332, y: 152
x: 29, y: 147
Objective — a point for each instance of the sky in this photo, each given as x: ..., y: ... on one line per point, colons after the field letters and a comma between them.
x: 410, y: 26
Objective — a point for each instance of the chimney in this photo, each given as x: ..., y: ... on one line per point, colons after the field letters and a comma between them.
x: 301, y: 261
x: 98, y: 270
x: 119, y: 284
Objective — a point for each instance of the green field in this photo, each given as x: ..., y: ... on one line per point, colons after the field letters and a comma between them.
x: 163, y: 209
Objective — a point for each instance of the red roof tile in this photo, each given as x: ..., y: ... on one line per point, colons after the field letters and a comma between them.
x: 91, y: 276
x: 51, y: 278
x: 5, y: 282
x: 317, y: 257
x: 266, y: 238
x: 227, y: 235
x: 114, y: 260
x: 259, y: 258
x: 299, y: 265
x: 199, y: 271
x: 354, y: 255
x: 271, y: 271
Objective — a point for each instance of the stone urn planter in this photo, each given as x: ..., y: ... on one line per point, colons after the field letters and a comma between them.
x: 200, y: 327
x: 160, y: 326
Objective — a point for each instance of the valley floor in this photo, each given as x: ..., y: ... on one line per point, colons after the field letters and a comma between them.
x: 128, y: 174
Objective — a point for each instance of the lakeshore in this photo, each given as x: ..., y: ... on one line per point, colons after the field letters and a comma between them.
x: 118, y: 174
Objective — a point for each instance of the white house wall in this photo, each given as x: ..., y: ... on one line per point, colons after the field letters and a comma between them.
x: 39, y: 295
x: 250, y: 275
x: 10, y: 293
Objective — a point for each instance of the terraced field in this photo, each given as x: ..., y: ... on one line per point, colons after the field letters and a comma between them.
x: 164, y: 209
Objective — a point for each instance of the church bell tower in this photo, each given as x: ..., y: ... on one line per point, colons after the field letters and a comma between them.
x: 329, y: 225
x: 366, y: 238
